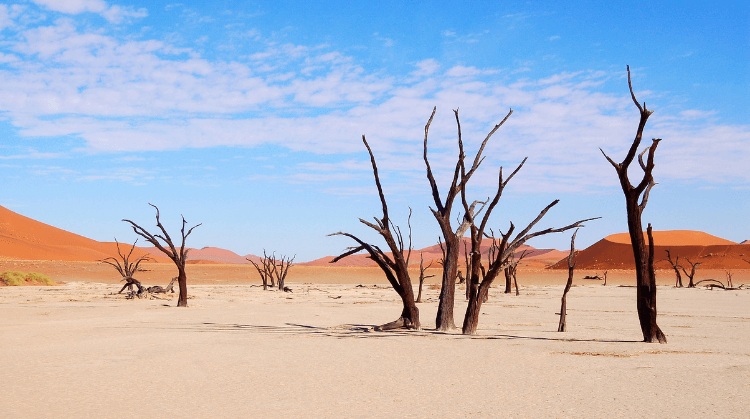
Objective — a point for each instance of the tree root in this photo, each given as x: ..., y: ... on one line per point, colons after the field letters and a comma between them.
x: 400, y: 323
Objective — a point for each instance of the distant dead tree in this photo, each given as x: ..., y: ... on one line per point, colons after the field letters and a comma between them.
x: 690, y: 275
x: 273, y: 271
x: 178, y: 257
x: 396, y: 269
x: 571, y: 268
x: 605, y: 279
x: 645, y: 273
x: 512, y: 269
x: 715, y: 283
x: 442, y: 212
x: 126, y: 268
x: 676, y: 266
x: 422, y: 276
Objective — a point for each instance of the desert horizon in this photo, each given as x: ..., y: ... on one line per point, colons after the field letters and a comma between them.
x: 342, y: 209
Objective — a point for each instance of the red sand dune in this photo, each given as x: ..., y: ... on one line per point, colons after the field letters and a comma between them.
x: 24, y: 238
x: 208, y: 255
x: 433, y: 253
x: 615, y: 252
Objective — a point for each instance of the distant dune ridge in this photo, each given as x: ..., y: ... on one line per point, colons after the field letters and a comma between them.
x: 615, y: 252
x: 24, y: 238
x: 432, y: 253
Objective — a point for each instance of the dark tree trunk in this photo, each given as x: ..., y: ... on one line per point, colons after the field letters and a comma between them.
x: 571, y: 267
x: 444, y: 319
x: 644, y: 266
x: 508, y: 280
x: 182, y: 282
x: 676, y: 267
x: 690, y: 275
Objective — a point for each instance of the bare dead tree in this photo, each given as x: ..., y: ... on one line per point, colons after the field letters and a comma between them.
x: 502, y: 260
x: 281, y: 268
x: 126, y: 268
x: 395, y: 269
x: 272, y: 271
x: 264, y: 270
x: 690, y: 275
x: 156, y: 289
x: 168, y: 248
x: 605, y: 279
x: 512, y: 268
x: 646, y: 277
x: 442, y: 212
x: 676, y: 266
x: 571, y: 268
x: 422, y: 276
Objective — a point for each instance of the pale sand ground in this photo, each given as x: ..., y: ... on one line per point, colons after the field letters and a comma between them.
x: 237, y: 351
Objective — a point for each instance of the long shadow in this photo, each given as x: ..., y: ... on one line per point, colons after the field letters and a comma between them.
x: 366, y: 331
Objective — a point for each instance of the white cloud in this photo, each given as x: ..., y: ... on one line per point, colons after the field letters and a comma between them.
x: 73, y: 7
x: 554, y: 37
x: 7, y: 14
x: 114, y: 14
x: 129, y: 96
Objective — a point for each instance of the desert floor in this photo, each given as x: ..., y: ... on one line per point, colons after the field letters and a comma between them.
x: 80, y: 350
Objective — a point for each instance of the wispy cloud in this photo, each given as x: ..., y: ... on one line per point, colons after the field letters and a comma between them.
x: 123, y: 95
x: 114, y: 14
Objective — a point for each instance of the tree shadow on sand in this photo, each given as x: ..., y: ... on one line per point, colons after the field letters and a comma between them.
x: 366, y: 331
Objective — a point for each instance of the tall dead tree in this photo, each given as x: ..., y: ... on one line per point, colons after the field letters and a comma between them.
x: 690, y: 275
x: 676, y: 266
x: 168, y: 248
x: 477, y: 232
x: 442, y: 212
x: 646, y: 277
x: 126, y: 268
x: 396, y: 268
x: 571, y: 268
x: 422, y: 276
x: 502, y: 260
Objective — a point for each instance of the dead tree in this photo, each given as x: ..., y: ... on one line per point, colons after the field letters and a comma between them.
x: 168, y: 248
x: 281, y: 268
x: 159, y: 290
x: 605, y: 279
x: 502, y: 260
x: 646, y: 277
x: 395, y: 269
x: 442, y: 212
x: 513, y: 268
x: 126, y: 268
x: 422, y: 276
x: 273, y: 271
x: 571, y: 268
x: 690, y: 275
x: 264, y: 270
x: 676, y: 266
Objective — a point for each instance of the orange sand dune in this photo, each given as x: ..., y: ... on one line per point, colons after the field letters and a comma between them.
x: 674, y: 238
x: 615, y: 252
x: 24, y: 238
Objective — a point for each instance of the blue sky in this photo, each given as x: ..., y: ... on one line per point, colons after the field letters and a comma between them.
x: 248, y: 116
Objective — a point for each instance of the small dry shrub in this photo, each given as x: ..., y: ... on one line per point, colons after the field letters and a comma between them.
x: 16, y: 278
